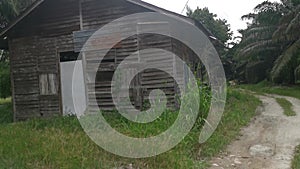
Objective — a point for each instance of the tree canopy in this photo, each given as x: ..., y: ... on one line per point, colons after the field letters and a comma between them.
x: 220, y: 30
x: 272, y: 39
x: 218, y: 27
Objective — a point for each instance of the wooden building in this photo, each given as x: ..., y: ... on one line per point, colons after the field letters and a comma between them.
x: 47, y: 35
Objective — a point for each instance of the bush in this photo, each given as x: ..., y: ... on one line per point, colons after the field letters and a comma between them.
x: 5, y: 88
x: 297, y: 75
x: 257, y: 71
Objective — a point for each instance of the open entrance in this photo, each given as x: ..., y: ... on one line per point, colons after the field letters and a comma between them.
x: 68, y: 64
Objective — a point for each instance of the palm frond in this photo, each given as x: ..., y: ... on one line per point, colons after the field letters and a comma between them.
x: 266, y: 6
x: 257, y: 47
x: 294, y: 24
x: 260, y: 29
x: 289, y: 27
x: 248, y: 16
x: 283, y: 70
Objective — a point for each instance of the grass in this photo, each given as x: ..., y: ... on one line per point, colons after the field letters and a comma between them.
x: 265, y: 87
x: 287, y: 106
x: 5, y: 114
x: 5, y: 101
x: 296, y: 161
x: 61, y: 143
x: 240, y: 109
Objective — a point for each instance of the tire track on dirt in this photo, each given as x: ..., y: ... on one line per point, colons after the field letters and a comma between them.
x: 268, y: 142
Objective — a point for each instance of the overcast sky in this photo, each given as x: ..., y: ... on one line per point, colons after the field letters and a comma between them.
x: 231, y: 10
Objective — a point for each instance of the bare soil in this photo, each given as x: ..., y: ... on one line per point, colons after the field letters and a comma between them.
x: 268, y: 142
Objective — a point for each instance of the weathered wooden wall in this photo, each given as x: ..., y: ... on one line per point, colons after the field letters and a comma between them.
x: 64, y: 25
x: 34, y: 64
x: 35, y: 45
x: 53, y: 18
x: 149, y: 79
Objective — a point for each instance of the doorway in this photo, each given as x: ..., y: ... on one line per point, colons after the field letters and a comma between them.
x: 68, y: 64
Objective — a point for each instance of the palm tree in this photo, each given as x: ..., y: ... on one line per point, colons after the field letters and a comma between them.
x: 256, y: 47
x: 273, y: 37
x: 285, y: 68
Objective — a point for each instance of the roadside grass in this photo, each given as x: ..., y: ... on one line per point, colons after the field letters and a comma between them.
x: 61, y: 143
x: 296, y: 161
x: 287, y: 106
x: 266, y: 87
x: 240, y: 109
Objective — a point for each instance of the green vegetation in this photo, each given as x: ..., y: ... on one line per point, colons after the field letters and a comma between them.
x: 61, y: 142
x: 4, y: 80
x: 287, y: 106
x: 239, y: 110
x: 269, y: 47
x: 6, y: 115
x: 266, y: 87
x: 296, y: 161
x: 218, y: 27
x: 5, y: 101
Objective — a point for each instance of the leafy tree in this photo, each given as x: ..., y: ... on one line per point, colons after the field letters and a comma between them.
x: 218, y: 27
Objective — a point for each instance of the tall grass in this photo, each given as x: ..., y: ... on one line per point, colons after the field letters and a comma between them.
x: 61, y: 143
x: 239, y: 110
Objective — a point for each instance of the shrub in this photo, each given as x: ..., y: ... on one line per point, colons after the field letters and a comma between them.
x: 5, y: 89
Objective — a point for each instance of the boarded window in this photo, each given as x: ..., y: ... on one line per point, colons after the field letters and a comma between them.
x: 48, y: 84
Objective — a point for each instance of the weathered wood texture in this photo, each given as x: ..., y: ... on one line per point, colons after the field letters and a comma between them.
x: 53, y: 18
x: 35, y: 74
x: 35, y: 44
x: 64, y: 25
x: 148, y: 80
x: 97, y: 13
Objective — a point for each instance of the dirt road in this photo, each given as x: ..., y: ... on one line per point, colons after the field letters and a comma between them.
x: 267, y: 143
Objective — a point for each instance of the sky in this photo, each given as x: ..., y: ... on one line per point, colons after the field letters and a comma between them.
x: 231, y: 10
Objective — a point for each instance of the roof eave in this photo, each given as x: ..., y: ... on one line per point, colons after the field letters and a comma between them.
x: 21, y: 16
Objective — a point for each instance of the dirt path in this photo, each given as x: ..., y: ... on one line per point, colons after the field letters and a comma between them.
x: 267, y: 143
